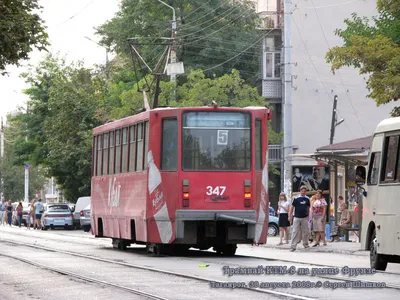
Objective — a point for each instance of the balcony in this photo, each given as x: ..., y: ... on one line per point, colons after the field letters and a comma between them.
x: 274, y: 153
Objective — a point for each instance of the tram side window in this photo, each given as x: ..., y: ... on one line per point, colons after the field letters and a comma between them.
x: 373, y: 172
x: 117, y: 151
x: 94, y: 158
x: 105, y: 153
x: 169, y: 151
x: 390, y: 159
x: 125, y: 146
x: 111, y: 160
x: 258, y: 145
x: 139, y: 154
x: 132, y: 149
x: 99, y: 156
x: 146, y: 142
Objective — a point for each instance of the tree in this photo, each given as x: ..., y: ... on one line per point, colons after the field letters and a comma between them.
x: 12, y: 168
x: 208, y: 34
x: 65, y: 105
x: 373, y: 48
x: 21, y: 30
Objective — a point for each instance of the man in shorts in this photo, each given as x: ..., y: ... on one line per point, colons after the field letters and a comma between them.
x: 38, y: 214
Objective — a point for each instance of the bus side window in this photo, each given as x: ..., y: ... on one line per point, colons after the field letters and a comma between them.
x: 373, y: 172
x: 258, y: 144
x: 99, y: 156
x: 139, y: 155
x: 111, y: 160
x: 169, y: 151
x: 390, y: 158
x: 146, y: 142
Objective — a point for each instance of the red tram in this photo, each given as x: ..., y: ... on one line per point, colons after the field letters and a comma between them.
x: 175, y: 178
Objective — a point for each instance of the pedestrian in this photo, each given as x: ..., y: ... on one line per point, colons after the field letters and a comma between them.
x: 33, y: 213
x: 38, y: 214
x: 19, y: 210
x: 3, y: 206
x: 9, y: 209
x: 29, y: 216
x: 271, y: 210
x: 318, y: 210
x: 301, y: 206
x: 345, y: 223
x: 283, y: 211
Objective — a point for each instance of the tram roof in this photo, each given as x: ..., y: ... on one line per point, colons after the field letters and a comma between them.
x: 144, y: 115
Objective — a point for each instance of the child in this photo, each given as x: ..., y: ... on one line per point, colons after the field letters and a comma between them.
x: 28, y: 219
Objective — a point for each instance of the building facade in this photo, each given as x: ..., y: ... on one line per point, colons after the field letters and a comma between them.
x: 313, y: 84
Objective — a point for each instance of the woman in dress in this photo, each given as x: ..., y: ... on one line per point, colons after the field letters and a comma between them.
x: 283, y: 209
x: 318, y: 211
x: 19, y: 210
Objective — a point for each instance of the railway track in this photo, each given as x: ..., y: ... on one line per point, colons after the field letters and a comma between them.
x: 85, y: 278
x: 265, y: 291
x: 277, y: 294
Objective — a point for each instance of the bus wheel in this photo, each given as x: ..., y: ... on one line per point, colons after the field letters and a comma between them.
x: 376, y: 260
x: 229, y: 250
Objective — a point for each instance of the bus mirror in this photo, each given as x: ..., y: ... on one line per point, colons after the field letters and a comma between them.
x: 365, y: 193
x: 360, y: 175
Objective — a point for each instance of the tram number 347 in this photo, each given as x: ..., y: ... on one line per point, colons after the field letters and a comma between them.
x: 218, y: 190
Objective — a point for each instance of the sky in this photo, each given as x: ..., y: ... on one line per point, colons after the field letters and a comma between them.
x: 68, y: 22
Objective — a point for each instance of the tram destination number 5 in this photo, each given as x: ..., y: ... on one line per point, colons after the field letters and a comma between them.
x: 219, y: 190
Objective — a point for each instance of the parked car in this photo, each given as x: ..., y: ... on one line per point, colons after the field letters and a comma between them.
x: 273, y: 226
x: 81, y: 203
x: 57, y: 215
x: 85, y: 219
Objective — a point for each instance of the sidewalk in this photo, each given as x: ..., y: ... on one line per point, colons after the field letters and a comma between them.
x: 352, y: 248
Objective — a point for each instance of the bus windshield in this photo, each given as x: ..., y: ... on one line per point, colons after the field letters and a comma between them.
x: 216, y: 141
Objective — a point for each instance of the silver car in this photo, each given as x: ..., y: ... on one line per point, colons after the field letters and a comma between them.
x: 85, y: 218
x: 57, y: 215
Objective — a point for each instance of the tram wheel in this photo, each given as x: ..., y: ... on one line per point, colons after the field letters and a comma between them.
x: 229, y: 250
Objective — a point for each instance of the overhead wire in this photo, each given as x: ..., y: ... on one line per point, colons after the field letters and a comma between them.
x: 186, y: 24
x: 74, y: 15
x: 197, y: 8
x: 340, y: 77
x: 316, y: 70
x: 233, y: 57
x: 203, y: 28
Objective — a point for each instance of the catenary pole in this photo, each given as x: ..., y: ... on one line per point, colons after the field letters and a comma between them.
x: 287, y: 108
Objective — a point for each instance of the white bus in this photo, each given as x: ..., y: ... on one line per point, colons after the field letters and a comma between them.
x: 381, y: 204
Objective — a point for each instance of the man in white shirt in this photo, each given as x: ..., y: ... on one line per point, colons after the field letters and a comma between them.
x: 38, y: 214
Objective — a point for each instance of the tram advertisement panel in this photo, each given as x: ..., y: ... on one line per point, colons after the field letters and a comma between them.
x: 313, y: 177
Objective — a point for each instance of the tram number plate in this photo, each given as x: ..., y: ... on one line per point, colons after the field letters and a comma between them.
x: 219, y: 190
x: 222, y: 138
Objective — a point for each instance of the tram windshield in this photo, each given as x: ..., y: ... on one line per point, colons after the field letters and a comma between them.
x: 216, y: 141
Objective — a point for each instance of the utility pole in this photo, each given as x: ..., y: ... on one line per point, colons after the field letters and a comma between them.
x: 27, y: 167
x: 334, y: 121
x: 287, y: 109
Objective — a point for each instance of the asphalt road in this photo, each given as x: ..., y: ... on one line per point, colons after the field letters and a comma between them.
x: 19, y: 280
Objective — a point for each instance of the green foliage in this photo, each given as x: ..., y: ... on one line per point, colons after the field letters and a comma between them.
x: 207, y: 33
x: 373, y: 48
x: 12, y: 166
x: 66, y: 103
x: 21, y: 30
